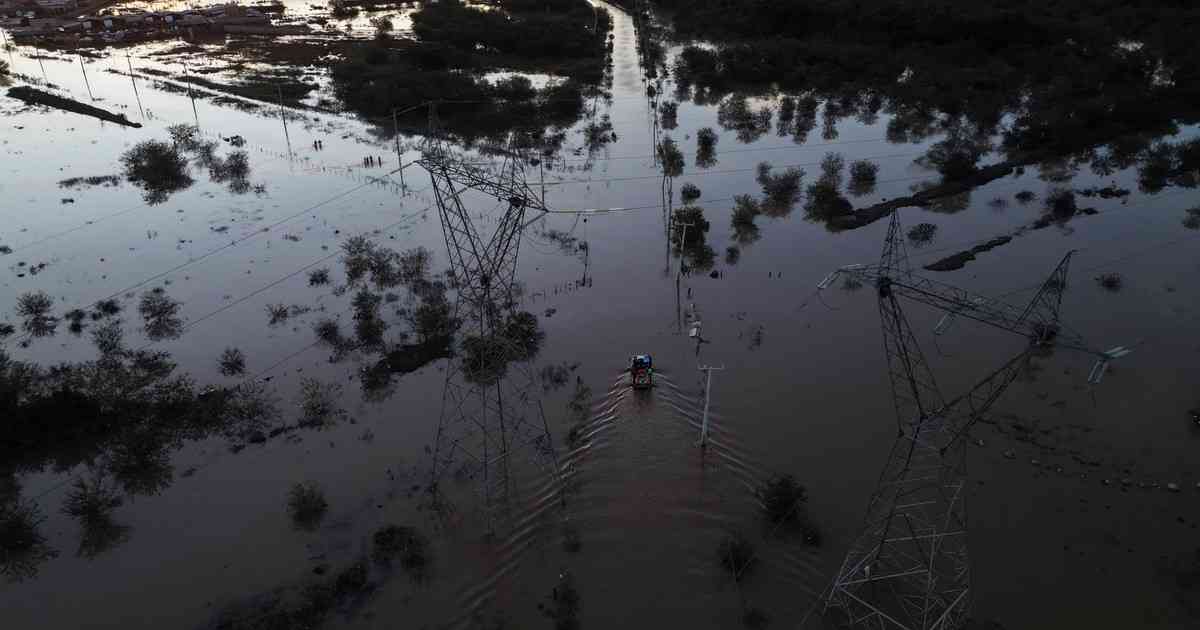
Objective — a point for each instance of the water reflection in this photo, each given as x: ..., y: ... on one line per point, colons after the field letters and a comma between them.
x: 161, y: 169
x: 121, y: 415
x: 491, y: 410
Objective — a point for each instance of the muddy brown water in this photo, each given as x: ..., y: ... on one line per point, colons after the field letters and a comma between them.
x: 804, y: 391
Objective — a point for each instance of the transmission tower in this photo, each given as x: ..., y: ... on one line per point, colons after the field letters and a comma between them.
x: 909, y: 567
x: 490, y: 410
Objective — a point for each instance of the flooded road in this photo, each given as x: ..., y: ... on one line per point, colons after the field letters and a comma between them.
x: 1072, y: 523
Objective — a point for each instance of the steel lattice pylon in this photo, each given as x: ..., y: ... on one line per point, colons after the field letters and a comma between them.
x: 909, y: 566
x: 489, y: 407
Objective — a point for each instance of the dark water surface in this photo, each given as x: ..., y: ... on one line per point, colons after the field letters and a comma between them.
x: 1057, y: 540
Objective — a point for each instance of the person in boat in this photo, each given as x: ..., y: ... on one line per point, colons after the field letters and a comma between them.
x: 641, y: 367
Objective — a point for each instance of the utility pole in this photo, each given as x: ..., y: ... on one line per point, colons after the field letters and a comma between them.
x: 683, y: 239
x: 137, y: 96
x: 187, y: 79
x: 85, y: 79
x: 283, y: 117
x: 707, y: 398
x: 399, y: 156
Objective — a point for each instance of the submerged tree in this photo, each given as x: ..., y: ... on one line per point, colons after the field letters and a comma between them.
x: 671, y: 157
x: 832, y: 167
x: 706, y: 147
x: 319, y: 403
x: 736, y: 555
x: 668, y: 115
x: 689, y: 227
x: 863, y: 174
x: 1191, y: 219
x: 23, y: 547
x: 306, y: 505
x: 689, y: 193
x: 735, y: 114
x: 922, y: 234
x: 34, y: 308
x: 485, y: 358
x: 780, y: 190
x: 160, y: 314
x: 232, y: 362
x: 91, y: 504
x: 1060, y: 204
x: 745, y: 211
x: 158, y: 168
x: 405, y: 545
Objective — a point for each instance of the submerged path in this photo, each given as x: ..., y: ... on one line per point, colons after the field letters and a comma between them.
x: 38, y: 97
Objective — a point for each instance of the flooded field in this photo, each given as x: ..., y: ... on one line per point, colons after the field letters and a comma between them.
x: 247, y: 380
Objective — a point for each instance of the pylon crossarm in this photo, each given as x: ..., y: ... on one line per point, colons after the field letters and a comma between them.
x: 1033, y: 322
x: 503, y: 188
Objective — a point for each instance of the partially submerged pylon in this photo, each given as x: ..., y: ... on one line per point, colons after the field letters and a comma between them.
x: 909, y: 566
x: 490, y: 410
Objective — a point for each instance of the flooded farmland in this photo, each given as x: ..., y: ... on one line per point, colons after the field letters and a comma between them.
x: 333, y: 328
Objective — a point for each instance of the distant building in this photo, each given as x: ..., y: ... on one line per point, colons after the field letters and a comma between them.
x: 13, y: 6
x: 57, y: 6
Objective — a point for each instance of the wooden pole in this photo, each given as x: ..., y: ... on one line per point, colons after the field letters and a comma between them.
x: 707, y: 399
x: 283, y: 118
x: 85, y: 79
x: 137, y: 96
x: 399, y: 156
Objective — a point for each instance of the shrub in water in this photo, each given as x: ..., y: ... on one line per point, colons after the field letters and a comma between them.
x: 921, y: 234
x: 736, y: 554
x: 306, y: 505
x: 832, y: 166
x: 782, y: 498
x: 862, y: 177
x: 23, y: 548
x: 671, y: 157
x: 1110, y: 281
x: 689, y: 193
x: 706, y: 147
x: 781, y: 190
x: 396, y: 542
x: 233, y: 362
x: 696, y: 226
x: 157, y: 167
x: 1060, y: 202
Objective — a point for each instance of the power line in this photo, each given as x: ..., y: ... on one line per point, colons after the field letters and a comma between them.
x: 713, y: 172
x: 257, y: 375
x: 615, y: 210
x: 224, y: 247
x: 95, y: 221
x: 275, y: 283
x: 748, y: 149
x: 235, y: 242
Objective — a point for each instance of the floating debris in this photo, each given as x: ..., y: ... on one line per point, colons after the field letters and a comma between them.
x: 1111, y: 281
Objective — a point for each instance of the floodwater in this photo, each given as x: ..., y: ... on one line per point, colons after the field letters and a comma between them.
x: 1057, y: 539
